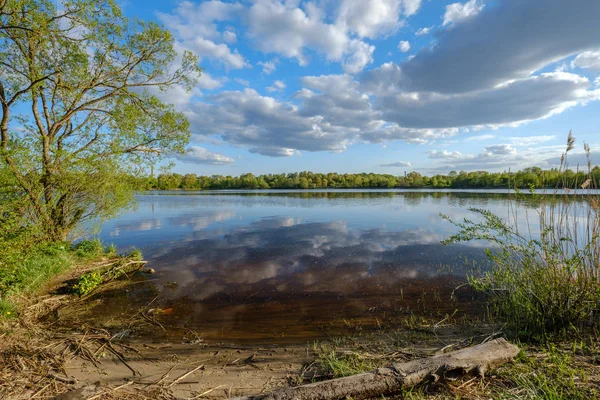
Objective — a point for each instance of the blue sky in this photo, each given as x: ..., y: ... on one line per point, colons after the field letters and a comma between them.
x: 384, y: 85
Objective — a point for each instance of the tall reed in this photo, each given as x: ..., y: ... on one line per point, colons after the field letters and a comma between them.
x: 545, y: 281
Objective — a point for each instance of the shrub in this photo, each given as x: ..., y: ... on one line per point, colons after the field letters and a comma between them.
x: 88, y: 249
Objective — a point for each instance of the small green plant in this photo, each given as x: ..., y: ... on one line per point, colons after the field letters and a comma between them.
x: 135, y: 255
x: 336, y: 364
x: 7, y: 309
x: 89, y: 249
x: 111, y: 250
x: 87, y: 282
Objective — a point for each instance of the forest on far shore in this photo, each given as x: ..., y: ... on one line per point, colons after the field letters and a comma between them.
x: 527, y: 178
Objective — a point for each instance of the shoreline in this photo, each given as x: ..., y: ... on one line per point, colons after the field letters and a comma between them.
x: 131, y: 365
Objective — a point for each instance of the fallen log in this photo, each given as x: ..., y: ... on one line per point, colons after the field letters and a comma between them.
x: 474, y: 360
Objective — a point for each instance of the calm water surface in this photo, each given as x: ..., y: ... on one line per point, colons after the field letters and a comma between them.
x: 288, y: 266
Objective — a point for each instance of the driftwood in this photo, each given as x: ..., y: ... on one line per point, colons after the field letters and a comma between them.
x: 474, y: 360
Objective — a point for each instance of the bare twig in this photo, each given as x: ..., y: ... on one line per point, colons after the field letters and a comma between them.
x: 176, y: 381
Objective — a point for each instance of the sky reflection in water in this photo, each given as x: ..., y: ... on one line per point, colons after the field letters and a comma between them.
x: 291, y: 265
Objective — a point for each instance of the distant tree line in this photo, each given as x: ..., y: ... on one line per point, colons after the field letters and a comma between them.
x: 527, y: 178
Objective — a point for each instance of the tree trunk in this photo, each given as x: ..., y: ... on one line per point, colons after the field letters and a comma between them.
x: 469, y: 361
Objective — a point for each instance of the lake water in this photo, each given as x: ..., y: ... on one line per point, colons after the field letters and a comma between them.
x: 279, y: 266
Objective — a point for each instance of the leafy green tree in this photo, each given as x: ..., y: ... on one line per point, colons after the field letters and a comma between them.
x: 189, y: 181
x: 78, y: 107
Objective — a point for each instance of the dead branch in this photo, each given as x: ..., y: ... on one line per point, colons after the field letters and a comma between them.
x: 444, y: 367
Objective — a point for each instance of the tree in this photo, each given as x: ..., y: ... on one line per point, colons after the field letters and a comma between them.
x: 79, y: 108
x: 189, y: 181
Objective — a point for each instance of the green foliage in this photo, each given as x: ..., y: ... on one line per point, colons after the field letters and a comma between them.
x: 34, y: 269
x: 89, y: 249
x: 87, y: 282
x: 529, y: 178
x: 78, y: 78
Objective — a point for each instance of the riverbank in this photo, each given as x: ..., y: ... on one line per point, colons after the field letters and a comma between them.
x: 49, y: 352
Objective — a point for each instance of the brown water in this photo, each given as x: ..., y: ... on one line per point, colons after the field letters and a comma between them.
x: 275, y: 267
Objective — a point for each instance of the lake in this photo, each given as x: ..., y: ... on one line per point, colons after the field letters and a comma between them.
x: 287, y: 266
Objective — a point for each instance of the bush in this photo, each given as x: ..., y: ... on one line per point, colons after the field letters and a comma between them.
x: 89, y: 249
x: 546, y: 283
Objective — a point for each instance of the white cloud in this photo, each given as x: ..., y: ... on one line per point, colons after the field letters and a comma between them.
x: 276, y: 87
x: 501, y: 149
x: 229, y: 36
x: 287, y: 30
x: 449, y: 155
x: 398, y: 164
x: 503, y: 157
x: 293, y: 30
x: 424, y: 31
x: 206, y: 81
x: 521, y: 101
x: 493, y: 157
x: 372, y: 18
x: 480, y: 138
x: 336, y: 101
x: 200, y: 155
x: 357, y: 56
x: 531, y: 140
x: 587, y: 59
x: 268, y: 66
x: 207, y: 48
x: 501, y: 45
x: 190, y: 20
x: 404, y: 46
x: 458, y: 12
x: 242, y: 82
x: 258, y: 123
x: 195, y: 28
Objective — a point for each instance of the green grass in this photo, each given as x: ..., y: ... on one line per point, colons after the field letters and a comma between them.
x: 34, y: 269
x: 26, y: 274
x: 25, y: 271
x: 550, y: 375
x: 89, y: 249
x: 337, y: 365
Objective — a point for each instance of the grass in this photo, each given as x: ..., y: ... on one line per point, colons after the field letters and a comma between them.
x: 26, y: 271
x: 338, y: 365
x: 553, y: 372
